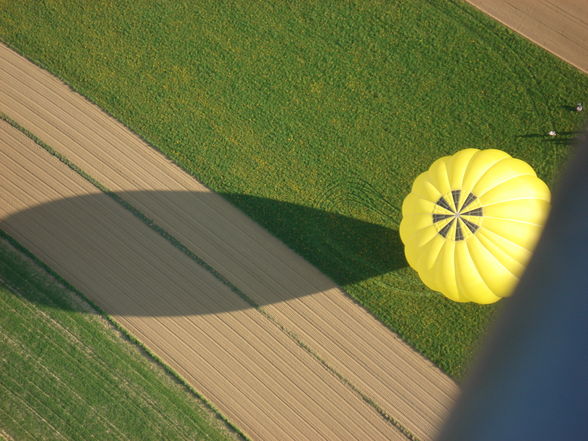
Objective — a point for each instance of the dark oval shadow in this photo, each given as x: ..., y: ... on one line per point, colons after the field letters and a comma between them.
x: 128, y: 264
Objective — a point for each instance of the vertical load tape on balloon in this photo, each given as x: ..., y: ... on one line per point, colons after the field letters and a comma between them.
x: 470, y: 223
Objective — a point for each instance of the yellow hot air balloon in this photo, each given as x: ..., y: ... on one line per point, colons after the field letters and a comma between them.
x: 470, y: 223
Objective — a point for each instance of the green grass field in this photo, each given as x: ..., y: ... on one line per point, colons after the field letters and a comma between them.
x: 327, y: 107
x: 67, y: 374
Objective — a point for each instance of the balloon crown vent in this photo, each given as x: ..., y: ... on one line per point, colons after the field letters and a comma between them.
x: 456, y: 214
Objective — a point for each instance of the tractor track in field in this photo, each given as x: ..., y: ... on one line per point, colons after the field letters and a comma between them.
x: 275, y: 345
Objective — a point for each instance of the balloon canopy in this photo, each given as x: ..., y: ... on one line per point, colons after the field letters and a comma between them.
x: 470, y: 223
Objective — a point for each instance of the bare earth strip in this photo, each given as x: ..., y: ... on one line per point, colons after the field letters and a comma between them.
x: 560, y: 26
x: 262, y: 379
x: 402, y: 383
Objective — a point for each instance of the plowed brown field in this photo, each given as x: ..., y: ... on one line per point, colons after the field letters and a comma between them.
x: 249, y: 366
x: 560, y: 26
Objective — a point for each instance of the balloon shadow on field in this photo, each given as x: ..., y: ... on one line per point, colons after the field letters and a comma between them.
x: 164, y: 253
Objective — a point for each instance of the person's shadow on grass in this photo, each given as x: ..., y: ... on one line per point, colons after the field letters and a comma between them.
x: 561, y: 138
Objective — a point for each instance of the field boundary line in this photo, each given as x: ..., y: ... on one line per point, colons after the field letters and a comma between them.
x: 198, y: 260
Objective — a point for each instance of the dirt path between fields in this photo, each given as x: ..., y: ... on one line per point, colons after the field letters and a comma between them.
x: 559, y: 26
x: 252, y: 370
